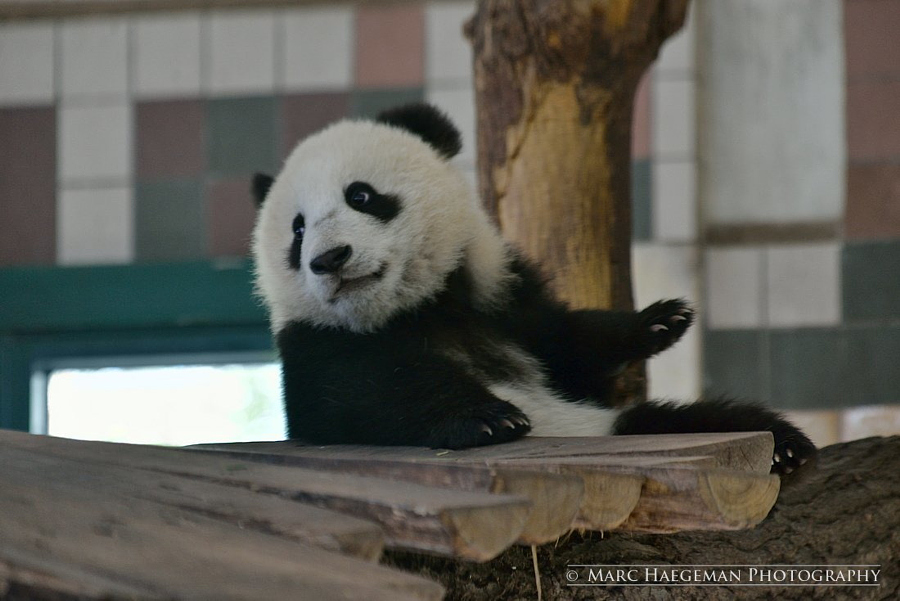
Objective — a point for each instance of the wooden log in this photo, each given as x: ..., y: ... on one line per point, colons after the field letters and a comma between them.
x: 471, y: 525
x: 66, y: 529
x: 555, y: 498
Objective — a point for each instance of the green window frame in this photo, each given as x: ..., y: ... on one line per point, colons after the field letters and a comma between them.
x: 68, y: 313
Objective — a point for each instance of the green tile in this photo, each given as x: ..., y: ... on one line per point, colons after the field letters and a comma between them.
x: 733, y: 364
x: 871, y: 281
x: 368, y: 103
x: 169, y: 221
x: 873, y: 366
x: 808, y: 368
x: 242, y: 135
x: 641, y: 194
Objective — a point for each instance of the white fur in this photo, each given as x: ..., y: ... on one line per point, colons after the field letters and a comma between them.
x: 440, y: 224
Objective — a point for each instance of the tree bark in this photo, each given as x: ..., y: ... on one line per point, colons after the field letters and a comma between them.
x: 554, y: 89
x: 555, y: 83
x: 847, y: 511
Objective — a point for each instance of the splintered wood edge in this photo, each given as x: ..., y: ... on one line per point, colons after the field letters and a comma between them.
x: 555, y: 501
x: 742, y: 499
x: 481, y: 533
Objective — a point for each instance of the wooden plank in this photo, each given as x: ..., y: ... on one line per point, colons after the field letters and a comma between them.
x: 748, y: 451
x: 555, y: 497
x: 471, y: 525
x: 65, y: 528
x: 271, y: 514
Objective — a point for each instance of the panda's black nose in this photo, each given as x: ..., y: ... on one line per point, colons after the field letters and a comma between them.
x: 331, y: 261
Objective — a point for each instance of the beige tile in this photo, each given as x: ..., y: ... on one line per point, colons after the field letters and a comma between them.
x: 166, y: 55
x: 822, y: 427
x: 95, y: 227
x: 94, y: 58
x: 26, y: 63
x: 878, y: 420
x: 241, y: 52
x: 318, y: 48
x: 804, y: 285
x: 734, y: 293
x: 448, y: 55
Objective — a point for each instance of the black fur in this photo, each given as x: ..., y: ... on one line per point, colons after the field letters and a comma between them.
x: 398, y: 386
x: 792, y: 448
x: 427, y: 122
x: 260, y: 187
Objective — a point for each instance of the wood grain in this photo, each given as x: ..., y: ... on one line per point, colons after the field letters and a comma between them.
x: 66, y: 527
x: 471, y: 525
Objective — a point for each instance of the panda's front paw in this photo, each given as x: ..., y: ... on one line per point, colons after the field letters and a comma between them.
x: 793, y: 451
x: 662, y: 324
x: 490, y: 423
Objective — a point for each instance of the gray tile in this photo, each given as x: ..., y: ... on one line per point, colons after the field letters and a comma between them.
x: 871, y: 280
x: 733, y: 364
x: 873, y: 366
x: 169, y: 221
x: 641, y: 199
x: 242, y: 135
x: 808, y: 368
x: 368, y: 103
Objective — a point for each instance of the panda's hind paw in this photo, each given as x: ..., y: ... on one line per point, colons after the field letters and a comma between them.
x: 490, y: 423
x: 794, y: 453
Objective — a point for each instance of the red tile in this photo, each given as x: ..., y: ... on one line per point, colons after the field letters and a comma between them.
x: 390, y: 46
x: 873, y: 201
x: 28, y: 186
x: 640, y: 125
x: 871, y: 30
x: 873, y: 120
x: 230, y: 214
x: 170, y: 140
x: 304, y: 114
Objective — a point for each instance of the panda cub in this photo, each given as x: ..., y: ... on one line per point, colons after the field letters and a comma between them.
x: 403, y: 318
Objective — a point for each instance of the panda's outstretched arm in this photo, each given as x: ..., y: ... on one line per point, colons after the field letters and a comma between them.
x: 386, y: 389
x: 584, y: 350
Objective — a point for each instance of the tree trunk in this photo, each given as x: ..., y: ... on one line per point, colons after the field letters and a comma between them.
x: 847, y: 511
x: 554, y: 89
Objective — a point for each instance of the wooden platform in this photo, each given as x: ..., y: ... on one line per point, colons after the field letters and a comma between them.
x: 283, y: 520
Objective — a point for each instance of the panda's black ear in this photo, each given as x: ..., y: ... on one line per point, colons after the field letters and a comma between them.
x: 428, y: 123
x: 260, y: 187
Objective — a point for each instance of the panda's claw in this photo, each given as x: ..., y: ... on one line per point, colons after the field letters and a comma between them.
x: 488, y: 423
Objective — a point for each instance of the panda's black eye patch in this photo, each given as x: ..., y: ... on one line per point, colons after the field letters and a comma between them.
x: 299, y: 228
x: 362, y: 197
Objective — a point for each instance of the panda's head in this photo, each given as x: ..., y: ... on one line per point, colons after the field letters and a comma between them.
x: 367, y: 219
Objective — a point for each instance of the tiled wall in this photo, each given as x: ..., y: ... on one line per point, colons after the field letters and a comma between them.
x: 801, y: 256
x: 131, y: 139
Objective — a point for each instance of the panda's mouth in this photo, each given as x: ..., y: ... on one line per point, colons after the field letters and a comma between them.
x: 347, y: 285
